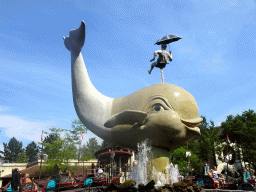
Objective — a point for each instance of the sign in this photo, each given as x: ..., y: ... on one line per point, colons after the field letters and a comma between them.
x: 188, y: 154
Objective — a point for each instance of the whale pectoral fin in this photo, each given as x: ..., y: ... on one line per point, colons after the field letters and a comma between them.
x: 128, y: 117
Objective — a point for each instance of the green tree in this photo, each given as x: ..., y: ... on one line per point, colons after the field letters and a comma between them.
x: 61, y: 144
x: 49, y: 139
x: 32, y: 151
x: 12, y: 150
x: 90, y: 148
x: 179, y: 157
x: 241, y: 129
x: 73, y: 136
x: 22, y: 158
x: 204, y: 146
x: 60, y: 148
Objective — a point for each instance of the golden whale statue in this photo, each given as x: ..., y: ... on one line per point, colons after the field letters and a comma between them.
x: 164, y: 113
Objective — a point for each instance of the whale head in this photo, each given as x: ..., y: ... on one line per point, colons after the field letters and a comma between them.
x: 165, y: 114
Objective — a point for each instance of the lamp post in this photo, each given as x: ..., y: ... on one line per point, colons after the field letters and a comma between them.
x: 188, y: 154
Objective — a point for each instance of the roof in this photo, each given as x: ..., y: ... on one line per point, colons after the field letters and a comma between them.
x: 32, y: 171
x: 113, y: 148
x: 117, y: 152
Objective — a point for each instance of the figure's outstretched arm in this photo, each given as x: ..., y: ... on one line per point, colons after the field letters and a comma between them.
x: 155, y: 54
x: 170, y: 56
x: 152, y: 59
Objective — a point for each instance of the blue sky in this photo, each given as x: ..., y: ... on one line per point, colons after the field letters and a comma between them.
x: 215, y: 59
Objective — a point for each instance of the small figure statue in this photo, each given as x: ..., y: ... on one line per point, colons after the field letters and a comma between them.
x: 162, y: 59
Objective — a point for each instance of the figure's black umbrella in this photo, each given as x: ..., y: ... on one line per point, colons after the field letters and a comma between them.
x: 167, y: 39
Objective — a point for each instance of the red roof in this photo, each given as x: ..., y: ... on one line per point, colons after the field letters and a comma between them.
x: 119, y: 153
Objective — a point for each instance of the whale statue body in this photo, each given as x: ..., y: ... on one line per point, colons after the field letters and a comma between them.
x: 164, y: 113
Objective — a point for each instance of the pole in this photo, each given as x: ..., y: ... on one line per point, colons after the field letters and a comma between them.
x: 79, y: 151
x: 188, y: 160
x: 41, y: 158
x: 162, y: 75
x: 112, y: 164
x: 83, y: 167
x: 227, y: 170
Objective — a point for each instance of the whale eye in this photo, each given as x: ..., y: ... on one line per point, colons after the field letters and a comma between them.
x: 158, y: 107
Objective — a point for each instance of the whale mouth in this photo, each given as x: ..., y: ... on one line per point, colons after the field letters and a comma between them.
x: 196, y: 129
x: 192, y: 126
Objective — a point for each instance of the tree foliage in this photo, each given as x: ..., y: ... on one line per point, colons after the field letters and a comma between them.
x: 32, y: 150
x: 48, y: 143
x: 12, y: 150
x: 201, y: 148
x: 90, y: 148
x: 22, y: 158
x: 241, y: 129
x: 59, y: 148
x: 61, y: 145
x: 179, y: 157
x: 204, y: 145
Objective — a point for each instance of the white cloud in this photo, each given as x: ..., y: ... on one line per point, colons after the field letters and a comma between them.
x: 22, y: 129
x: 3, y: 108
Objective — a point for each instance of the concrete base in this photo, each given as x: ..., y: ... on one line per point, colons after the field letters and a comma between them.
x: 159, y: 165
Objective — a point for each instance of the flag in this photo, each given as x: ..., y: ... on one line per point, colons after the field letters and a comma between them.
x: 82, y: 136
x: 228, y: 141
x: 42, y: 136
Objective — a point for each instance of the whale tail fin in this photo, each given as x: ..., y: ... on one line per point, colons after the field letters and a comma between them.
x: 75, y: 41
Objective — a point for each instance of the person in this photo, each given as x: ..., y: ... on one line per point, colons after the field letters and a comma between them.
x: 100, y: 173
x: 180, y: 177
x: 162, y: 59
x: 212, y: 175
x: 249, y: 173
x: 206, y: 168
x: 56, y: 176
x: 94, y: 170
x: 67, y: 177
x: 221, y: 179
x: 27, y: 179
x: 218, y: 176
x: 115, y: 169
x: 71, y: 179
x: 246, y: 175
x: 7, y: 187
x: 15, y: 182
x: 28, y: 184
x: 254, y: 178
